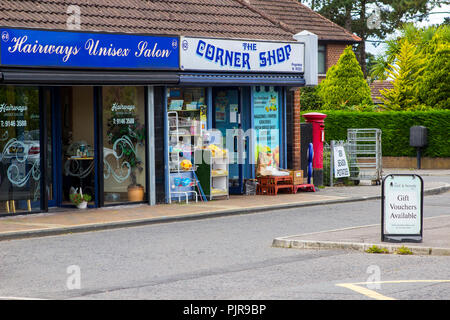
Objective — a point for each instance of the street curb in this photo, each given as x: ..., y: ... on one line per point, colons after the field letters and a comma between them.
x: 358, y: 246
x: 191, y: 217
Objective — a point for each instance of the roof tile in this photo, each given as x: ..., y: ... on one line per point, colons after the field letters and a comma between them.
x: 299, y: 17
x: 214, y: 18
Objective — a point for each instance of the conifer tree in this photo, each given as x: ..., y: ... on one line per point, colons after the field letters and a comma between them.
x: 344, y: 85
x: 434, y: 88
x: 406, y: 76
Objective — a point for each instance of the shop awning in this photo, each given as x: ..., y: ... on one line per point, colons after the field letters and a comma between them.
x: 241, y: 79
x: 86, y: 77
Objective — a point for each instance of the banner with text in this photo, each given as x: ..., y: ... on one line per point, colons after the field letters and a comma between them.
x: 38, y: 48
x: 205, y: 54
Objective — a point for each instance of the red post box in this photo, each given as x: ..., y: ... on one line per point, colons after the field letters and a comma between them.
x: 318, y: 127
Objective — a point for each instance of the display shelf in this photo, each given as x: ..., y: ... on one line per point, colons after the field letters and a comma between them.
x: 214, y: 184
x: 181, y: 146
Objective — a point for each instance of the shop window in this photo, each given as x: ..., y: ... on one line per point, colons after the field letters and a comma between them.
x: 321, y: 57
x: 187, y: 124
x: 77, y: 137
x: 20, y: 149
x: 266, y: 109
x: 124, y: 140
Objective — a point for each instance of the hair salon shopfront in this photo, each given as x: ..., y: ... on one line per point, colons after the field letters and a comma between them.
x: 91, y: 112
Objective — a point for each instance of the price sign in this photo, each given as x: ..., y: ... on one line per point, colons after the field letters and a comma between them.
x: 402, y: 208
x: 340, y: 163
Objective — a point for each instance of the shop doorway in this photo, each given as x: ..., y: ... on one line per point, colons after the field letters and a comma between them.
x: 227, y: 119
x: 71, y: 165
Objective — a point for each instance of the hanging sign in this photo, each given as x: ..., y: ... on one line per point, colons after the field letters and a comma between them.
x: 340, y: 163
x: 402, y: 208
x: 39, y: 48
x: 207, y: 54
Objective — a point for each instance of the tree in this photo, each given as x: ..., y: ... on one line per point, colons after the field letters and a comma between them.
x: 344, y: 85
x: 434, y: 89
x: 372, y: 18
x: 428, y: 49
x: 424, y: 41
x: 405, y: 74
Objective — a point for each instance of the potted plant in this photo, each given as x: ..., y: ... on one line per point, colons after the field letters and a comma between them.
x: 80, y: 200
x: 125, y: 139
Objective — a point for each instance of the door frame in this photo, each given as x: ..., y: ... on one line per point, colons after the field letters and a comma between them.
x: 240, y: 188
x: 57, y: 157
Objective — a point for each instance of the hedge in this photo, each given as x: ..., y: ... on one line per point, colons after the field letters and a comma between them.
x: 395, y: 129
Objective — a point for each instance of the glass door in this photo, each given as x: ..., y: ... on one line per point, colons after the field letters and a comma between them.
x: 227, y: 119
x: 77, y: 140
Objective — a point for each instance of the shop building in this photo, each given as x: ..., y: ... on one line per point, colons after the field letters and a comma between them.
x: 92, y: 108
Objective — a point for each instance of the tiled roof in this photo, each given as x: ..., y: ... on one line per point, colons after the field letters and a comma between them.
x: 299, y: 17
x: 375, y: 88
x: 213, y: 18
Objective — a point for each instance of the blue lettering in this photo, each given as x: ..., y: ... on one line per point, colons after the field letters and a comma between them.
x: 201, y: 47
x: 210, y: 49
x: 219, y: 56
x: 271, y: 57
x: 280, y: 54
x: 262, y: 59
x: 288, y: 50
x: 245, y: 61
x: 237, y: 59
x: 228, y: 58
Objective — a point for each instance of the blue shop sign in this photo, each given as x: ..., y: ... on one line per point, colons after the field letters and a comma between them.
x: 38, y: 48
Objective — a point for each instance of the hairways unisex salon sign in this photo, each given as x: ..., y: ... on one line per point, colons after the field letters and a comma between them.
x: 38, y: 48
x: 205, y: 54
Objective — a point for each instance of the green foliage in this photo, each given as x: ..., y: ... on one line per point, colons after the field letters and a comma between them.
x: 417, y: 48
x: 309, y: 99
x: 77, y: 198
x: 344, y: 85
x: 403, y: 250
x: 434, y: 89
x: 395, y: 128
x: 360, y: 18
x: 376, y: 249
x: 406, y: 71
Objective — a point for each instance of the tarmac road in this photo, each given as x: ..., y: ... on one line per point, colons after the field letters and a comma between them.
x: 221, y: 258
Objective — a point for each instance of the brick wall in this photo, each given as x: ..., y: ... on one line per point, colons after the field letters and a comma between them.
x: 296, y: 165
x: 334, y: 51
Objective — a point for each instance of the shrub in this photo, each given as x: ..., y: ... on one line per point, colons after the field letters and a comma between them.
x: 309, y: 99
x: 395, y: 128
x: 344, y: 84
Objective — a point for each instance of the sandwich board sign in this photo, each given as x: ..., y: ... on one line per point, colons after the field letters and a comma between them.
x: 340, y: 163
x: 402, y: 208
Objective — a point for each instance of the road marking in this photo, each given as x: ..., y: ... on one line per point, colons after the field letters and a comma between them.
x: 364, y: 291
x: 356, y: 286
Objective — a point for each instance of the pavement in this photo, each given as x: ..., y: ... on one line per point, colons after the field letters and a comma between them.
x: 436, y: 230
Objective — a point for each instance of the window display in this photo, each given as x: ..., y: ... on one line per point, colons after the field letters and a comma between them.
x: 20, y: 172
x: 187, y: 125
x: 188, y: 136
x: 124, y: 139
x: 267, y: 123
